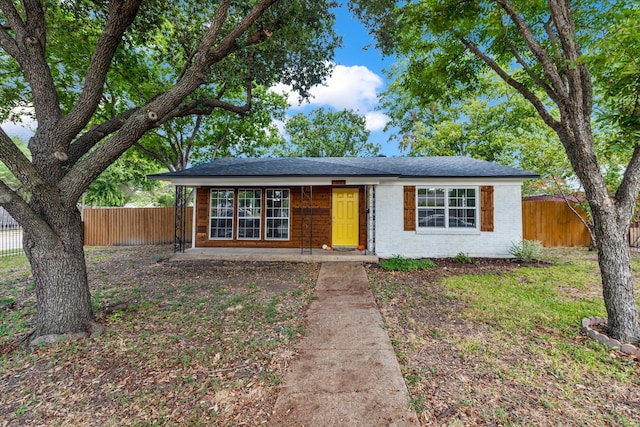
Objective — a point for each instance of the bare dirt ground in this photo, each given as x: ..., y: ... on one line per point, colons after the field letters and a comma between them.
x: 189, y: 343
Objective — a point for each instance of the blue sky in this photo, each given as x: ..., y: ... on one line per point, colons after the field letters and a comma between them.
x: 356, y: 82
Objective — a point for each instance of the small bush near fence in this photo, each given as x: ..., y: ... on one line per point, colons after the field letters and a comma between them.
x: 526, y: 250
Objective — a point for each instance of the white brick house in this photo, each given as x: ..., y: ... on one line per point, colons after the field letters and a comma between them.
x: 391, y: 238
x: 416, y: 207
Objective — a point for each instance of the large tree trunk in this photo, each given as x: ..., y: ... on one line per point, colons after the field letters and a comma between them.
x: 59, y: 272
x: 611, y: 219
x: 617, y: 282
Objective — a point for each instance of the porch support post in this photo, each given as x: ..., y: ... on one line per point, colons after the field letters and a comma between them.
x: 371, y: 220
x: 179, y: 219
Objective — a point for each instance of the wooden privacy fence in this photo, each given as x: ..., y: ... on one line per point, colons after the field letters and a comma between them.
x: 132, y: 226
x: 553, y: 224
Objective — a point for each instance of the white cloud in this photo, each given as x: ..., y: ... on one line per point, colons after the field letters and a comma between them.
x: 21, y: 130
x: 23, y: 125
x: 376, y: 120
x: 351, y: 87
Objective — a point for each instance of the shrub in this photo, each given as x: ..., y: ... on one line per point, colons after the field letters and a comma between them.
x: 462, y: 258
x: 526, y: 250
x: 398, y: 263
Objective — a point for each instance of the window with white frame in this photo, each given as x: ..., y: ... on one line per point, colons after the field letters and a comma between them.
x: 277, y: 215
x: 447, y: 208
x: 249, y: 214
x: 221, y: 214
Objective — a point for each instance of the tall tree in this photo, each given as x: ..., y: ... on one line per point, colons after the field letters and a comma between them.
x: 325, y: 133
x: 536, y: 47
x: 119, y: 183
x: 495, y: 124
x: 198, y: 139
x: 62, y: 59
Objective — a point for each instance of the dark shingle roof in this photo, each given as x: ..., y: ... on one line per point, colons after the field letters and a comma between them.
x: 400, y: 167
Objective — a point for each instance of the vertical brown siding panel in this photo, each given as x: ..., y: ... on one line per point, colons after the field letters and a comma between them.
x: 409, y: 208
x: 202, y: 215
x: 486, y: 208
x: 362, y: 219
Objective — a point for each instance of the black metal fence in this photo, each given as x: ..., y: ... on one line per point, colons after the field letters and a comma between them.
x: 10, y: 235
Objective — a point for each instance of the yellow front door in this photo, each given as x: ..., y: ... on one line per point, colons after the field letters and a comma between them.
x: 345, y: 217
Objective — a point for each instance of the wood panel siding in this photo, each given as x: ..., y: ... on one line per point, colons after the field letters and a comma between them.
x: 364, y: 206
x: 132, y: 226
x: 299, y: 227
x: 321, y: 218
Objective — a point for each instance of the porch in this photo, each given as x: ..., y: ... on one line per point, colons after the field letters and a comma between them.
x: 274, y: 254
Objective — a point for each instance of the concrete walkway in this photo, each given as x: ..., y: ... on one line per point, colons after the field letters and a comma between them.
x: 346, y: 372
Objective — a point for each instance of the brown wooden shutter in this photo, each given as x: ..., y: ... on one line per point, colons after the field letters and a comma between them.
x: 409, y: 208
x: 486, y: 208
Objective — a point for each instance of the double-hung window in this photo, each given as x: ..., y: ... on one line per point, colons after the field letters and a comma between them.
x: 249, y: 214
x: 277, y: 215
x: 221, y: 224
x: 454, y: 208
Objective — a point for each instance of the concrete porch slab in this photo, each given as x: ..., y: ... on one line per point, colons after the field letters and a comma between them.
x: 273, y: 255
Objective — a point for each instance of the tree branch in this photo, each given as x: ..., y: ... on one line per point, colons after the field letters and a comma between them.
x: 530, y: 96
x: 8, y: 44
x: 15, y: 23
x: 190, y: 141
x: 575, y: 212
x: 121, y: 15
x: 174, y: 143
x: 28, y: 49
x: 627, y: 192
x: 578, y: 76
x: 205, y: 107
x: 21, y: 212
x: 538, y: 51
x: 553, y: 37
x: 36, y: 19
x: 96, y: 134
x: 210, y: 36
x: 527, y: 68
x: 19, y: 164
x: 219, y: 143
x: 13, y: 17
x: 154, y: 155
x: 229, y: 43
x: 91, y: 165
